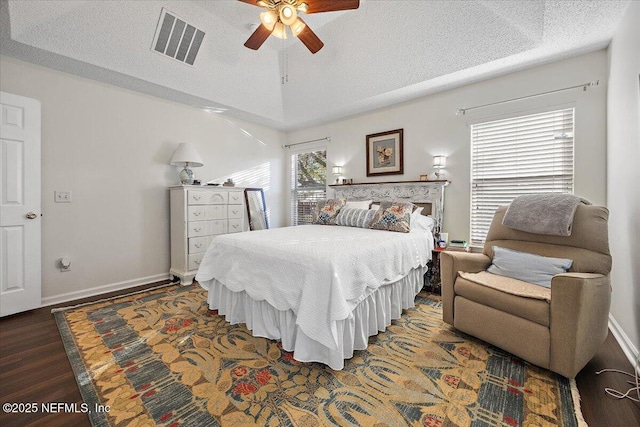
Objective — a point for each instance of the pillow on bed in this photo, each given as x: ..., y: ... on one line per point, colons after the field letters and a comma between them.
x: 358, y: 204
x: 528, y: 267
x: 355, y: 217
x: 393, y: 216
x: 327, y: 211
x: 417, y: 213
x: 425, y: 223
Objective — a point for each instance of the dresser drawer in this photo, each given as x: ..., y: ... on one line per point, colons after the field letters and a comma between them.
x: 195, y: 260
x: 197, y: 213
x: 235, y: 211
x: 218, y: 226
x: 206, y: 212
x: 198, y: 228
x: 235, y: 225
x: 206, y: 228
x: 203, y: 197
x: 219, y: 197
x: 236, y: 197
x: 199, y: 244
x: 197, y: 197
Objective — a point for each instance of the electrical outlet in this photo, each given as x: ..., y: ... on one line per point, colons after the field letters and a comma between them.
x: 65, y: 264
x: 62, y: 196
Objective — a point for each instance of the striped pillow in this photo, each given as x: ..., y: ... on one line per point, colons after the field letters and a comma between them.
x: 355, y: 217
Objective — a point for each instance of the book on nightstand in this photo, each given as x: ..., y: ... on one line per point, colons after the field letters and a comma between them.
x: 458, y: 245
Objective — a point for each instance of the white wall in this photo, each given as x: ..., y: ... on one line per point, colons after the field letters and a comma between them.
x: 111, y: 147
x: 431, y: 127
x: 623, y: 176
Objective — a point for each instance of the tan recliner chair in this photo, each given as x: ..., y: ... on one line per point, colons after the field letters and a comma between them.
x: 562, y: 334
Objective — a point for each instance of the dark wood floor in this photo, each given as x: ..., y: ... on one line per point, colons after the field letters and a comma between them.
x: 34, y: 369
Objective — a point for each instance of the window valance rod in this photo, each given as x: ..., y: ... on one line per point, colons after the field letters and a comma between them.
x: 584, y: 86
x: 326, y: 138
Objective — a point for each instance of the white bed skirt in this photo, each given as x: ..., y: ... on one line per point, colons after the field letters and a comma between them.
x: 370, y: 316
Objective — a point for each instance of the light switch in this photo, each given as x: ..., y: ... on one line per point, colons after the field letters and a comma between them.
x: 62, y: 196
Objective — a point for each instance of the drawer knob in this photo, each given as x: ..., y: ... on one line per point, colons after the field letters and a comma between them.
x: 198, y: 261
x: 196, y: 197
x: 197, y: 230
x: 198, y: 245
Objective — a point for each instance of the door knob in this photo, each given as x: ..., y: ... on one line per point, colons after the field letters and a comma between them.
x: 32, y: 215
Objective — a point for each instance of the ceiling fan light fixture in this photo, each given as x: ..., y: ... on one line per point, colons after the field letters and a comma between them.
x: 303, y: 7
x: 297, y: 27
x: 262, y: 3
x: 288, y: 14
x: 269, y: 19
x: 280, y: 31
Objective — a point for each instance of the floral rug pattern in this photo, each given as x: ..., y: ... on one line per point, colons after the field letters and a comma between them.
x: 162, y: 358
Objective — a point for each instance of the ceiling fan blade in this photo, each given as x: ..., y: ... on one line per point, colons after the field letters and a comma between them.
x: 258, y: 37
x: 309, y: 38
x: 252, y: 2
x: 317, y: 6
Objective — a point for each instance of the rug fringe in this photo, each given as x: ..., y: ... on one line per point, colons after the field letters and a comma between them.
x: 575, y: 394
x: 56, y: 310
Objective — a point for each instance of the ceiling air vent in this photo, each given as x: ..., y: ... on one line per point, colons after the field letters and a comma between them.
x: 177, y: 39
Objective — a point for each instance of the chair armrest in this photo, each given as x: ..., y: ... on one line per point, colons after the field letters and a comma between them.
x: 579, y: 321
x: 450, y: 264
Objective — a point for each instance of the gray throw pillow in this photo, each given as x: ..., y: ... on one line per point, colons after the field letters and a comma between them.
x: 355, y: 217
x: 527, y: 267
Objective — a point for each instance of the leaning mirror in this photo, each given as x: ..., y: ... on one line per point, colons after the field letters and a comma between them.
x: 256, y: 208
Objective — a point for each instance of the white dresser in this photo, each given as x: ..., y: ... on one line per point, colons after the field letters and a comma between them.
x: 198, y: 214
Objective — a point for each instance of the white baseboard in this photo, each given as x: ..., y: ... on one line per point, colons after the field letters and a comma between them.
x: 623, y: 339
x: 99, y: 290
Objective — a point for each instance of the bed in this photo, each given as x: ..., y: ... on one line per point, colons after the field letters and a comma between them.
x: 322, y: 290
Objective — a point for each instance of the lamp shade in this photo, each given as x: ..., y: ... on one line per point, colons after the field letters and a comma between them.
x: 186, y: 155
x: 439, y: 162
x: 337, y: 170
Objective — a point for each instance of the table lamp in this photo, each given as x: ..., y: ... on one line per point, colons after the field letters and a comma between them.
x: 186, y: 156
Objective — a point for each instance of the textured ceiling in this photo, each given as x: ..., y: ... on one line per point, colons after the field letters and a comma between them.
x: 382, y: 53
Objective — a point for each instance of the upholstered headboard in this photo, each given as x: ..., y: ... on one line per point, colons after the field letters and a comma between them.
x: 427, y: 194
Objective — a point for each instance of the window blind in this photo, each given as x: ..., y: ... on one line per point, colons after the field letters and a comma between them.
x: 516, y: 156
x: 308, y: 184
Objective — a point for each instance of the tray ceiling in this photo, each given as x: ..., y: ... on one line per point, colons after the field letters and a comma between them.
x: 380, y: 54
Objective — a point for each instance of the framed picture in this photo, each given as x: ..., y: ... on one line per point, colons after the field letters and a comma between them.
x: 384, y: 153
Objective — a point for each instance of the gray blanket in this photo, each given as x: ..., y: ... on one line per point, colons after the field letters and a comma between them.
x: 545, y: 213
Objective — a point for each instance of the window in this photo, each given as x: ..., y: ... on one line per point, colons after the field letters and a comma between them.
x: 516, y: 156
x: 308, y: 184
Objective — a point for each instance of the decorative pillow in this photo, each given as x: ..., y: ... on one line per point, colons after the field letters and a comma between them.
x: 393, y: 216
x: 358, y: 204
x: 425, y: 223
x: 327, y: 211
x: 355, y: 217
x: 527, y: 267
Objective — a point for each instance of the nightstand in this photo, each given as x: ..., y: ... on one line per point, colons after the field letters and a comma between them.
x: 432, y: 281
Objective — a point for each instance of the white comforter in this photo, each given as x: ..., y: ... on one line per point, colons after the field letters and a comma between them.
x: 319, y: 272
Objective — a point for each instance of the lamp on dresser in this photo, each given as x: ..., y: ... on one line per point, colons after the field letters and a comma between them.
x: 186, y: 156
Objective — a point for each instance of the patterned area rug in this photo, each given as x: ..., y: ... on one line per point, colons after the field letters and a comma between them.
x: 162, y: 358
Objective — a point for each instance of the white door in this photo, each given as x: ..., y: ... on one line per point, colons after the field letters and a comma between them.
x: 20, y: 278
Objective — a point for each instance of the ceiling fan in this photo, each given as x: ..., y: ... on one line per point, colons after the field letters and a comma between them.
x: 281, y: 14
